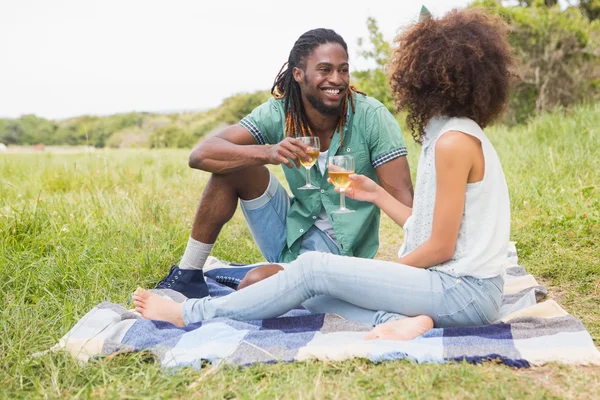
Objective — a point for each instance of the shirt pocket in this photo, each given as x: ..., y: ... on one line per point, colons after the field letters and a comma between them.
x: 362, y: 161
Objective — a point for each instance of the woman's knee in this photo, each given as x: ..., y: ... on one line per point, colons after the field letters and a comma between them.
x: 310, y: 259
x: 309, y: 265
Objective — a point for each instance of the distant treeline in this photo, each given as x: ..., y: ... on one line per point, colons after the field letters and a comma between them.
x: 559, y: 65
x: 131, y: 129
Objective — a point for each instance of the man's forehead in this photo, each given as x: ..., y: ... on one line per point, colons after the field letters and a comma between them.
x: 329, y: 53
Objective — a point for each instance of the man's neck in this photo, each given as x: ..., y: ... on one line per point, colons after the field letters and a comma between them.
x: 320, y: 125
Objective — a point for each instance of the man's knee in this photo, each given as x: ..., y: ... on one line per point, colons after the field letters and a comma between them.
x: 249, y: 183
x: 258, y: 274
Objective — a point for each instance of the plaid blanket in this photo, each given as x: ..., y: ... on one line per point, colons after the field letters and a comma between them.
x: 529, y: 331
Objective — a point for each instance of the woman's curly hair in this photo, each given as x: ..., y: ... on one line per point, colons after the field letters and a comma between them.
x: 456, y: 66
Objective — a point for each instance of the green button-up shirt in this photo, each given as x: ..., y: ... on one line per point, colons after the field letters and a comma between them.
x: 372, y: 136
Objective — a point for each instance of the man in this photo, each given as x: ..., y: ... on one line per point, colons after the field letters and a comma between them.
x: 312, y: 97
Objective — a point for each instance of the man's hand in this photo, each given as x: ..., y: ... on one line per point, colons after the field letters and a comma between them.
x: 286, y: 150
x: 361, y: 188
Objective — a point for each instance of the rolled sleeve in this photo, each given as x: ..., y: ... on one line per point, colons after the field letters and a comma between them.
x: 266, y: 122
x: 385, y: 137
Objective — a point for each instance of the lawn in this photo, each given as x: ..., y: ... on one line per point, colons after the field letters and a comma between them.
x: 79, y: 229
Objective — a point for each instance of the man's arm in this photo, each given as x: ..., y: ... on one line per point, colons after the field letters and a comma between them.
x: 230, y: 149
x: 394, y: 177
x: 388, y: 155
x: 234, y: 148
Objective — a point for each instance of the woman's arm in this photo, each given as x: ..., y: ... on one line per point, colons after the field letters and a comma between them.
x: 365, y: 189
x: 455, y: 153
x: 397, y: 211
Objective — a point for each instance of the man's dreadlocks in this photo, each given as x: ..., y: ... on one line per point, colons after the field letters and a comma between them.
x: 286, y: 87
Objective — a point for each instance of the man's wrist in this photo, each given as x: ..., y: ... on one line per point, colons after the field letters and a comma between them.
x: 262, y: 154
x: 265, y: 154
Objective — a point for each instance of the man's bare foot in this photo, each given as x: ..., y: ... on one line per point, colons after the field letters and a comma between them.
x: 153, y: 306
x: 401, y: 329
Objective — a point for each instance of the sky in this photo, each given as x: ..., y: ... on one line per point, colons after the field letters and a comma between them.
x: 64, y: 58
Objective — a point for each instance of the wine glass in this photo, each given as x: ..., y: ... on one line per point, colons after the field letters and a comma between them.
x: 314, y: 147
x: 340, y: 167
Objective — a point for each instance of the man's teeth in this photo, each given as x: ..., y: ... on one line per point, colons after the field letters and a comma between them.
x: 332, y: 91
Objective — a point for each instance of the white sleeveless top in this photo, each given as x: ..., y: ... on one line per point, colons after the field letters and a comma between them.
x: 482, y: 243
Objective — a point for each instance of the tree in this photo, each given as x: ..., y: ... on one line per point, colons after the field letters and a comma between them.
x: 100, y: 129
x: 171, y: 136
x: 28, y: 129
x: 591, y: 8
x: 74, y: 131
x: 236, y: 107
x: 374, y: 81
x: 558, y: 52
x: 12, y: 132
x: 559, y: 56
x: 2, y: 125
x: 528, y: 3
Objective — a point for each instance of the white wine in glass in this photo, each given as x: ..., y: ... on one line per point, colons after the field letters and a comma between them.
x: 314, y: 156
x: 340, y: 168
x: 314, y: 148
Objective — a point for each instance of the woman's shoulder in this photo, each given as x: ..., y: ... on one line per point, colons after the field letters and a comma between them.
x: 465, y: 125
x: 456, y: 145
x: 455, y: 131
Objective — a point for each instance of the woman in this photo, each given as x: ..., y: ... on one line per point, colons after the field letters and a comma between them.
x: 452, y: 77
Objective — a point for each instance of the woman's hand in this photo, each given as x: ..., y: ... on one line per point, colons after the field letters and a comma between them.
x: 361, y: 188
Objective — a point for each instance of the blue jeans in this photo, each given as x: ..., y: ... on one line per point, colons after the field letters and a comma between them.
x: 367, y: 291
x: 266, y: 217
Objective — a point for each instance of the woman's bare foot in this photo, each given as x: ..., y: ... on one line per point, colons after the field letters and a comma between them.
x: 153, y: 306
x: 401, y: 329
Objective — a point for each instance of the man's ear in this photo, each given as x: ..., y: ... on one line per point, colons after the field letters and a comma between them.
x: 298, y: 74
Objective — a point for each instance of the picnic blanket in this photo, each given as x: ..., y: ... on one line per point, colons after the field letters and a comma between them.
x: 529, y: 331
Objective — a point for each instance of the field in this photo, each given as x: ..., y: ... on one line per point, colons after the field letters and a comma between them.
x: 78, y: 229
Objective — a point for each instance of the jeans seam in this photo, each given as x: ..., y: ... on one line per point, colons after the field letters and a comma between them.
x: 491, y: 297
x: 244, y: 312
x: 283, y: 220
x: 392, y: 286
x: 480, y: 312
x: 484, y: 319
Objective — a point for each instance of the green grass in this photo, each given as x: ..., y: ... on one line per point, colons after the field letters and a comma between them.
x: 79, y: 229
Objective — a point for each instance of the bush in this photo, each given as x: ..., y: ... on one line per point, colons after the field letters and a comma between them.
x: 28, y: 129
x: 132, y: 137
x: 236, y: 107
x: 171, y: 136
x: 559, y: 54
